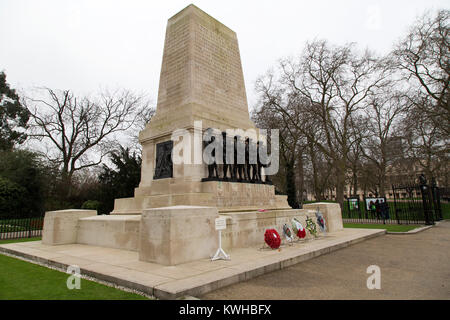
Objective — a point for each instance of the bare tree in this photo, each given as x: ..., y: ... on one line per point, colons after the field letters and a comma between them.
x: 355, y: 161
x: 143, y: 117
x: 291, y: 150
x: 79, y: 132
x: 350, y: 109
x: 423, y: 57
x: 328, y: 85
x: 426, y: 146
x: 383, y: 145
x: 320, y: 172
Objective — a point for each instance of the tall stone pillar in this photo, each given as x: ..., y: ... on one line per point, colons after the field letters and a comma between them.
x: 201, y: 81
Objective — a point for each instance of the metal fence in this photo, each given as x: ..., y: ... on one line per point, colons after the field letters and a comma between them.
x: 411, y: 204
x: 14, y: 228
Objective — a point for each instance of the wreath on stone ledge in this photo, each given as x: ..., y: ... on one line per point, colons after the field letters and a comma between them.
x: 311, y: 226
x: 287, y: 233
x: 321, y: 221
x: 298, y: 228
x: 272, y: 238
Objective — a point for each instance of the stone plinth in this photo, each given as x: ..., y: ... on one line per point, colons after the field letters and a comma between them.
x: 175, y: 235
x: 60, y: 227
x: 221, y: 194
x: 120, y: 232
x: 331, y: 212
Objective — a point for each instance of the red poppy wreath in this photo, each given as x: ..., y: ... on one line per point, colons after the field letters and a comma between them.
x: 272, y: 238
x: 298, y: 228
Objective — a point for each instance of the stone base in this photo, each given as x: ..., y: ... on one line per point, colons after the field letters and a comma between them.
x: 175, y: 235
x: 61, y: 227
x: 331, y: 212
x: 221, y: 194
x: 120, y: 232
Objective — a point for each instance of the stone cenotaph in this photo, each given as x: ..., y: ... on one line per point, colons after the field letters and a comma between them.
x: 171, y: 218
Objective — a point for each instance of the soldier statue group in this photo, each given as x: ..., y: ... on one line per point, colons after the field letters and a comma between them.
x: 249, y: 171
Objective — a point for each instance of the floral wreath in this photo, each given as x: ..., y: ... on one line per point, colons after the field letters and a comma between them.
x: 272, y: 238
x: 311, y: 226
x: 298, y: 228
x: 287, y: 232
x: 321, y: 223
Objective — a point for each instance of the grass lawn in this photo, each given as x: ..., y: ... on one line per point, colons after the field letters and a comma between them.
x: 19, y: 240
x: 388, y: 227
x: 20, y: 280
x: 445, y: 207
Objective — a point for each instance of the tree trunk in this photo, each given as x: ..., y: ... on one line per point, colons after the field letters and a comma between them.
x: 355, y: 183
x: 300, y: 179
x: 383, y: 180
x: 317, y: 194
x: 65, y: 189
x: 340, y: 183
x: 290, y: 184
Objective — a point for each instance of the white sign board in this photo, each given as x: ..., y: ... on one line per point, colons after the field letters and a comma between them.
x: 370, y: 201
x: 221, y: 223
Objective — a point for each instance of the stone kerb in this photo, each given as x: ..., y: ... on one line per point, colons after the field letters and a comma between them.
x: 178, y: 234
x: 331, y: 212
x: 61, y: 227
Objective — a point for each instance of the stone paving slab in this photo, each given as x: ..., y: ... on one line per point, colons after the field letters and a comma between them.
x: 123, y: 267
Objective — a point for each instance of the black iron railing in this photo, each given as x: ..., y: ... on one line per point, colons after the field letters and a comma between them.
x: 411, y: 204
x: 14, y: 228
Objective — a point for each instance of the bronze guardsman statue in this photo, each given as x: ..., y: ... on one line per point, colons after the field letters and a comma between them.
x: 247, y: 160
x: 226, y: 157
x: 263, y: 160
x: 238, y: 168
x: 254, y: 162
x: 213, y: 172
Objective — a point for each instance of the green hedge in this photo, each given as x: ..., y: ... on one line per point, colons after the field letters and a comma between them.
x: 91, y: 205
x: 11, y: 195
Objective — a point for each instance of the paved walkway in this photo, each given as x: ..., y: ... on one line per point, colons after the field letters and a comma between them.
x: 413, y: 266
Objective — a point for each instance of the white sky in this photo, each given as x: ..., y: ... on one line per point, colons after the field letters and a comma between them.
x: 85, y: 45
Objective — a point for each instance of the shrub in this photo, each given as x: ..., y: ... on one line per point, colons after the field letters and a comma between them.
x: 91, y: 205
x: 11, y: 195
x: 23, y: 169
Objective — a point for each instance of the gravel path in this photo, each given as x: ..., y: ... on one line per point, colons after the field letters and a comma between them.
x: 413, y: 266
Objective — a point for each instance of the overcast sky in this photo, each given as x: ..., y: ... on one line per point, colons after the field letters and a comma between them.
x: 85, y: 45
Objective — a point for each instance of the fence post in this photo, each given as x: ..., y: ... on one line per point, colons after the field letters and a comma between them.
x: 436, y: 200
x: 29, y: 227
x: 395, y: 204
x: 365, y: 207
x: 425, y: 201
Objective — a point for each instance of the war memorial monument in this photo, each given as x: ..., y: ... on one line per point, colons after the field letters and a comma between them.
x: 161, y: 240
